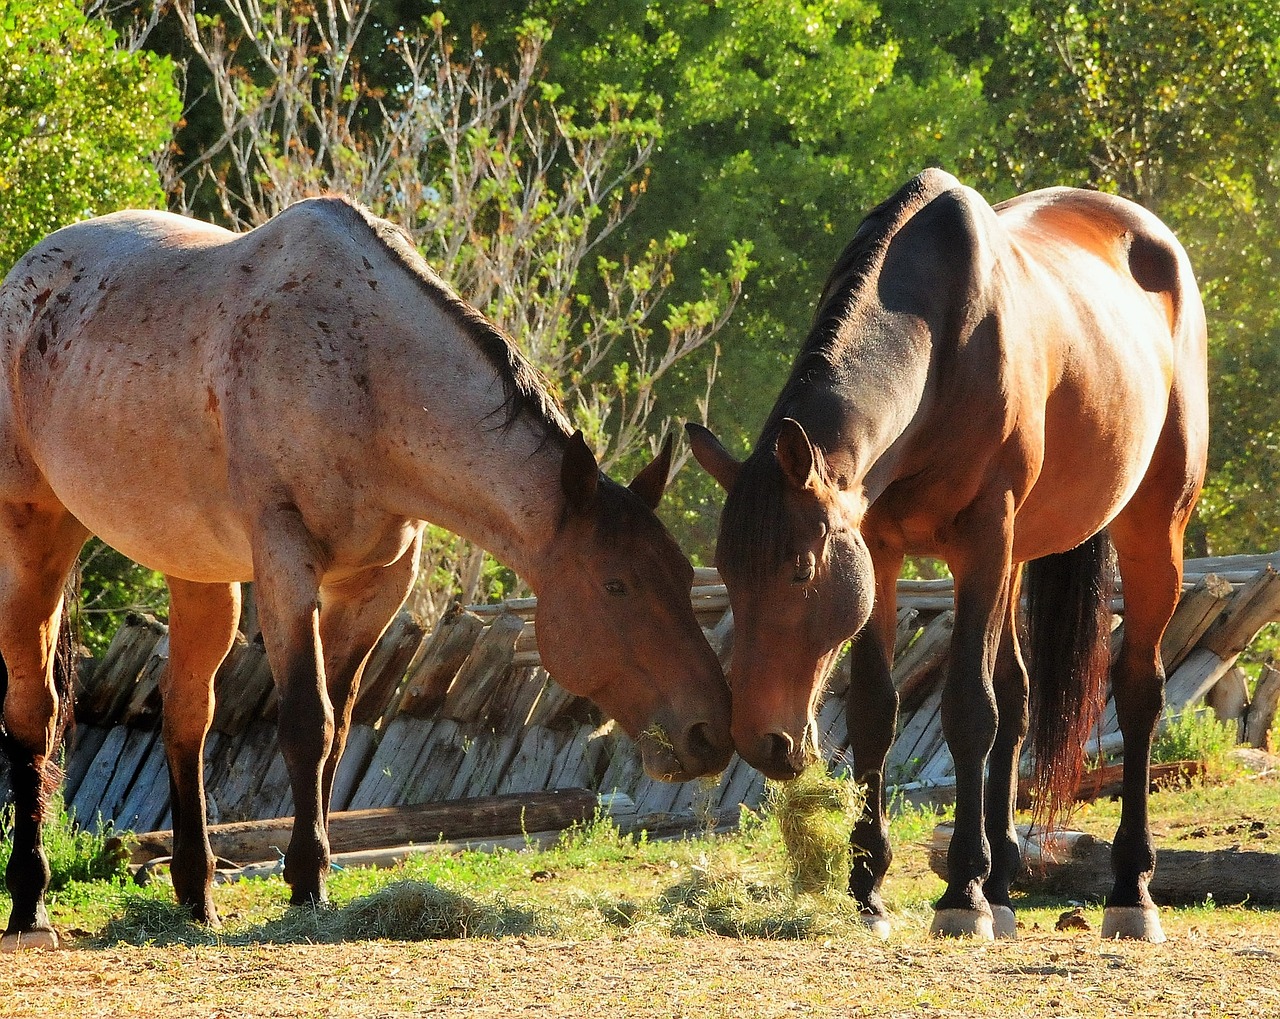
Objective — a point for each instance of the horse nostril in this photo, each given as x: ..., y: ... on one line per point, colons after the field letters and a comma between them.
x: 778, y: 747
x: 698, y: 742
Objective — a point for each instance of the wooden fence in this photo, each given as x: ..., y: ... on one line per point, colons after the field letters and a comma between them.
x: 466, y: 710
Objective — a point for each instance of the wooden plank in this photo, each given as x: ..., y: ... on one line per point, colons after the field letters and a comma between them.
x: 1262, y: 712
x: 434, y: 668
x: 916, y: 672
x: 97, y: 777
x: 133, y: 751
x: 142, y: 709
x: 575, y: 765
x: 237, y: 768
x: 485, y: 669
x: 531, y: 767
x: 362, y: 742
x: 116, y: 675
x: 86, y: 743
x: 485, y: 758
x: 241, y: 688
x: 1229, y: 699
x: 392, y: 763
x: 384, y: 672
x: 1256, y: 605
x: 147, y: 799
x: 914, y: 737
x: 1198, y: 609
x: 432, y: 773
x: 624, y: 767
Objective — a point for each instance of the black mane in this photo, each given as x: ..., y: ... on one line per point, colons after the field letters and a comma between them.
x: 753, y: 527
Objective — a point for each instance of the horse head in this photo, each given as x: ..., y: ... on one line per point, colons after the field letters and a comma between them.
x: 616, y: 624
x: 800, y: 582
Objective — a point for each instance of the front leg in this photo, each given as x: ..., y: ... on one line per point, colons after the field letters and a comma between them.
x: 982, y: 572
x: 872, y: 710
x: 355, y: 614
x: 288, y: 566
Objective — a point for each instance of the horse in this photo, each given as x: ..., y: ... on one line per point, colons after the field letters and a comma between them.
x: 288, y: 406
x: 990, y: 386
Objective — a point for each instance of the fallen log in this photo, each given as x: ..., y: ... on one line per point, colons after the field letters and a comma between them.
x: 384, y: 827
x: 1078, y: 865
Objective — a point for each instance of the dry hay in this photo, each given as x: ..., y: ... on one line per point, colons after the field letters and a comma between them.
x: 815, y: 814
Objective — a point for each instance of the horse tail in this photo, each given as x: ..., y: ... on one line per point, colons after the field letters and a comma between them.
x: 1069, y: 645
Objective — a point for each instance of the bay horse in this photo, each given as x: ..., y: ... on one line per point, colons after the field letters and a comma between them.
x: 288, y: 406
x: 989, y: 386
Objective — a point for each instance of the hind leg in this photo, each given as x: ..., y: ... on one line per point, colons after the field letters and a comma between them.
x: 37, y: 550
x: 354, y: 616
x: 1151, y: 570
x: 202, y: 625
x: 1147, y: 535
x: 1010, y: 683
x: 287, y: 573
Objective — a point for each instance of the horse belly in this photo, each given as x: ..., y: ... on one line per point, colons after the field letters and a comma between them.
x: 130, y: 457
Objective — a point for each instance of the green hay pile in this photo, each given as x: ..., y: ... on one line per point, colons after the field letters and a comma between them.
x: 730, y: 904
x: 421, y: 911
x: 403, y: 911
x: 815, y: 814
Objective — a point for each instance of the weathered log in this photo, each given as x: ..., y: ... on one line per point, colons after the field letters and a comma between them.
x: 378, y: 828
x: 1183, y: 876
x: 1229, y: 699
x: 437, y: 663
x: 386, y: 668
x: 914, y: 672
x: 1262, y: 712
x: 484, y: 668
x: 1198, y: 609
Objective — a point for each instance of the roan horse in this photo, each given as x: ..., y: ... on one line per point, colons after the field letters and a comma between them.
x: 991, y: 387
x: 288, y: 406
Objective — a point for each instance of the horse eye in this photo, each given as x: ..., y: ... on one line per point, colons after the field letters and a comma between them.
x: 805, y: 566
x: 615, y: 587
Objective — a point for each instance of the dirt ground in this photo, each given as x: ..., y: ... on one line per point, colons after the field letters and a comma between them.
x: 1209, y: 968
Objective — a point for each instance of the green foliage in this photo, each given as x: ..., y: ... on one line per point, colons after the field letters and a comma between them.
x: 1194, y: 734
x: 112, y: 586
x: 75, y: 854
x: 80, y: 121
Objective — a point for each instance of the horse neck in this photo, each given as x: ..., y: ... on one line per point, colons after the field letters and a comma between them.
x: 453, y: 452
x: 857, y: 398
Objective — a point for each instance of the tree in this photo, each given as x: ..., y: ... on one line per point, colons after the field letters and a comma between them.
x: 82, y: 121
x: 510, y: 191
x: 783, y: 123
x: 1173, y: 103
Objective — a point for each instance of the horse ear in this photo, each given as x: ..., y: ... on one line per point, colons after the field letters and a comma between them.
x: 651, y: 482
x: 715, y: 459
x: 579, y: 473
x: 795, y: 453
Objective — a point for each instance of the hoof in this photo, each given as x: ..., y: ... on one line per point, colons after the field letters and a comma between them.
x: 877, y: 925
x: 27, y: 941
x: 962, y: 923
x: 1133, y: 923
x: 1003, y: 923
